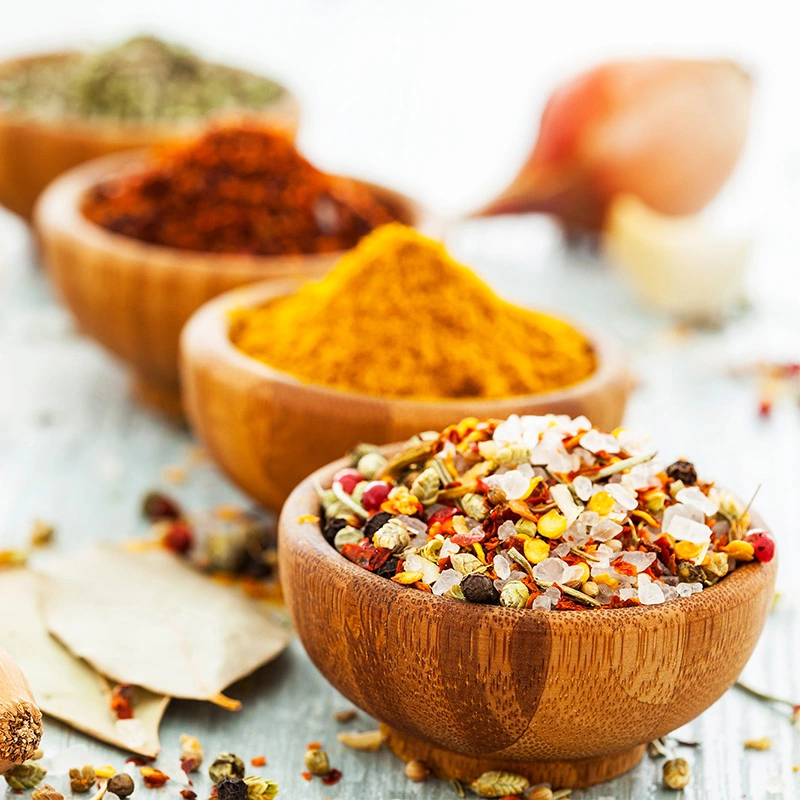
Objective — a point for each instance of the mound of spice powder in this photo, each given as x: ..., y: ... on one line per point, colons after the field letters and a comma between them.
x: 141, y: 80
x: 398, y: 317
x: 538, y: 512
x: 239, y: 188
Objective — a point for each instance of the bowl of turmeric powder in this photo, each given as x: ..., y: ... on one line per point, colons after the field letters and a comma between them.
x: 61, y: 109
x: 135, y: 242
x: 280, y: 379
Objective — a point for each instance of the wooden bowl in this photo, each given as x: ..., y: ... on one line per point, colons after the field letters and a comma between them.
x: 268, y: 430
x: 135, y: 297
x: 565, y: 697
x: 35, y: 151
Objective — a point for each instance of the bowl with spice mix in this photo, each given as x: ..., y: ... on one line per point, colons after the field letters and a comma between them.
x: 136, y: 242
x: 532, y: 596
x: 61, y: 109
x: 398, y: 337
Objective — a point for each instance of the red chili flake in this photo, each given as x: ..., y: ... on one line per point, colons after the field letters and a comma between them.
x: 178, y: 537
x: 332, y: 778
x: 442, y: 515
x: 157, y: 506
x: 307, y: 775
x: 469, y: 538
x: 764, y: 408
x: 140, y: 761
x: 153, y: 778
x: 258, y: 761
x: 378, y: 558
x: 121, y: 698
x: 188, y: 794
x: 358, y: 554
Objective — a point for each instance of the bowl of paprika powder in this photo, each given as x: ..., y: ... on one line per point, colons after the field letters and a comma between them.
x: 136, y: 242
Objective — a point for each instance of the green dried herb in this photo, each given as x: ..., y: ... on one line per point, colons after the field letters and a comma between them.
x: 260, y: 788
x: 499, y: 784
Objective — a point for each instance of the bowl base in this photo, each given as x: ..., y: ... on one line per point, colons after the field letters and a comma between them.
x: 449, y: 765
x: 161, y: 397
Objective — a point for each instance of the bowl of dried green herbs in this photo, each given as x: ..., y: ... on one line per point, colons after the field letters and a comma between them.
x: 531, y: 597
x: 60, y: 109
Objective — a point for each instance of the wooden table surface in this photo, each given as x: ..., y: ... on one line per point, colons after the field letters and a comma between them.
x: 76, y: 451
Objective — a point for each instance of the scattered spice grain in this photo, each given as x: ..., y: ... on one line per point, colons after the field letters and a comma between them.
x: 260, y: 788
x: 764, y: 743
x: 347, y: 715
x: 226, y: 765
x: 191, y: 755
x: 258, y: 761
x: 82, y: 779
x: 366, y: 740
x: 121, y: 785
x: 676, y: 773
x: 153, y: 778
x: 232, y: 789
x: 441, y: 331
x: 417, y: 771
x: 46, y: 792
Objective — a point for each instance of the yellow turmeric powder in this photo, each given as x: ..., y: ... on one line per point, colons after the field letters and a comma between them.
x: 398, y: 317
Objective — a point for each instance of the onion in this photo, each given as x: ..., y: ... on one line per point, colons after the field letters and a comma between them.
x: 669, y: 131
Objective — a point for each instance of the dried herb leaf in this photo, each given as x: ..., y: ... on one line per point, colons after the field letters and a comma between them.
x: 65, y: 687
x: 164, y: 626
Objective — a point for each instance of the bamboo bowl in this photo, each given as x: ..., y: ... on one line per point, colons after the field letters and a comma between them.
x: 135, y: 297
x: 268, y: 430
x: 565, y: 697
x: 35, y: 151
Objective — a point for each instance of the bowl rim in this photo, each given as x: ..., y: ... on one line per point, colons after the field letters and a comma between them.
x: 284, y: 106
x: 310, y: 534
x: 59, y: 209
x: 207, y: 332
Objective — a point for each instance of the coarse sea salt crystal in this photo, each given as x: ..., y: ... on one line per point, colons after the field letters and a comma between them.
x: 670, y: 592
x: 693, y: 496
x: 681, y: 510
x: 639, y: 559
x: 562, y: 550
x: 604, y: 530
x: 513, y: 483
x: 543, y: 602
x: 449, y: 548
x: 550, y: 570
x: 625, y: 498
x: 415, y: 563
x: 687, y: 530
x: 131, y: 732
x: 447, y: 580
x: 509, y: 432
x: 566, y: 504
x: 684, y: 590
x: 502, y: 566
x: 506, y: 531
x: 414, y: 525
x: 554, y: 593
x: 583, y: 487
x: 650, y: 593
x: 595, y: 442
x: 631, y: 442
x: 628, y: 594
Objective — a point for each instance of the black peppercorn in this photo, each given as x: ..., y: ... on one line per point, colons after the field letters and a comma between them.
x: 232, y: 789
x: 332, y: 527
x: 120, y: 784
x: 479, y: 588
x: 683, y: 471
x: 388, y: 569
x: 375, y: 523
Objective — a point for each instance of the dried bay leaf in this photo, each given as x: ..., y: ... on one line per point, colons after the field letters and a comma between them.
x: 158, y: 623
x: 64, y: 686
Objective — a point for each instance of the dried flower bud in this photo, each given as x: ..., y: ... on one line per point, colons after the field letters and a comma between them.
x: 232, y: 789
x: 347, y: 535
x: 316, y: 761
x: 393, y: 536
x: 81, y: 780
x: 121, y: 785
x: 683, y: 471
x: 226, y: 765
x: 25, y: 775
x: 426, y: 486
x: 417, y: 771
x: 475, y: 506
x: 478, y: 588
x: 514, y: 594
x: 260, y: 788
x: 360, y: 450
x: 46, y: 792
x: 525, y: 527
x: 499, y: 784
x: 191, y: 753
x: 676, y: 773
x: 367, y: 740
x: 371, y: 464
x: 496, y: 496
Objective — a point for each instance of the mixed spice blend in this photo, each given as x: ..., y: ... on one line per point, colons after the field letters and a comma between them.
x: 141, y: 80
x: 398, y: 317
x: 239, y: 188
x: 542, y: 512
